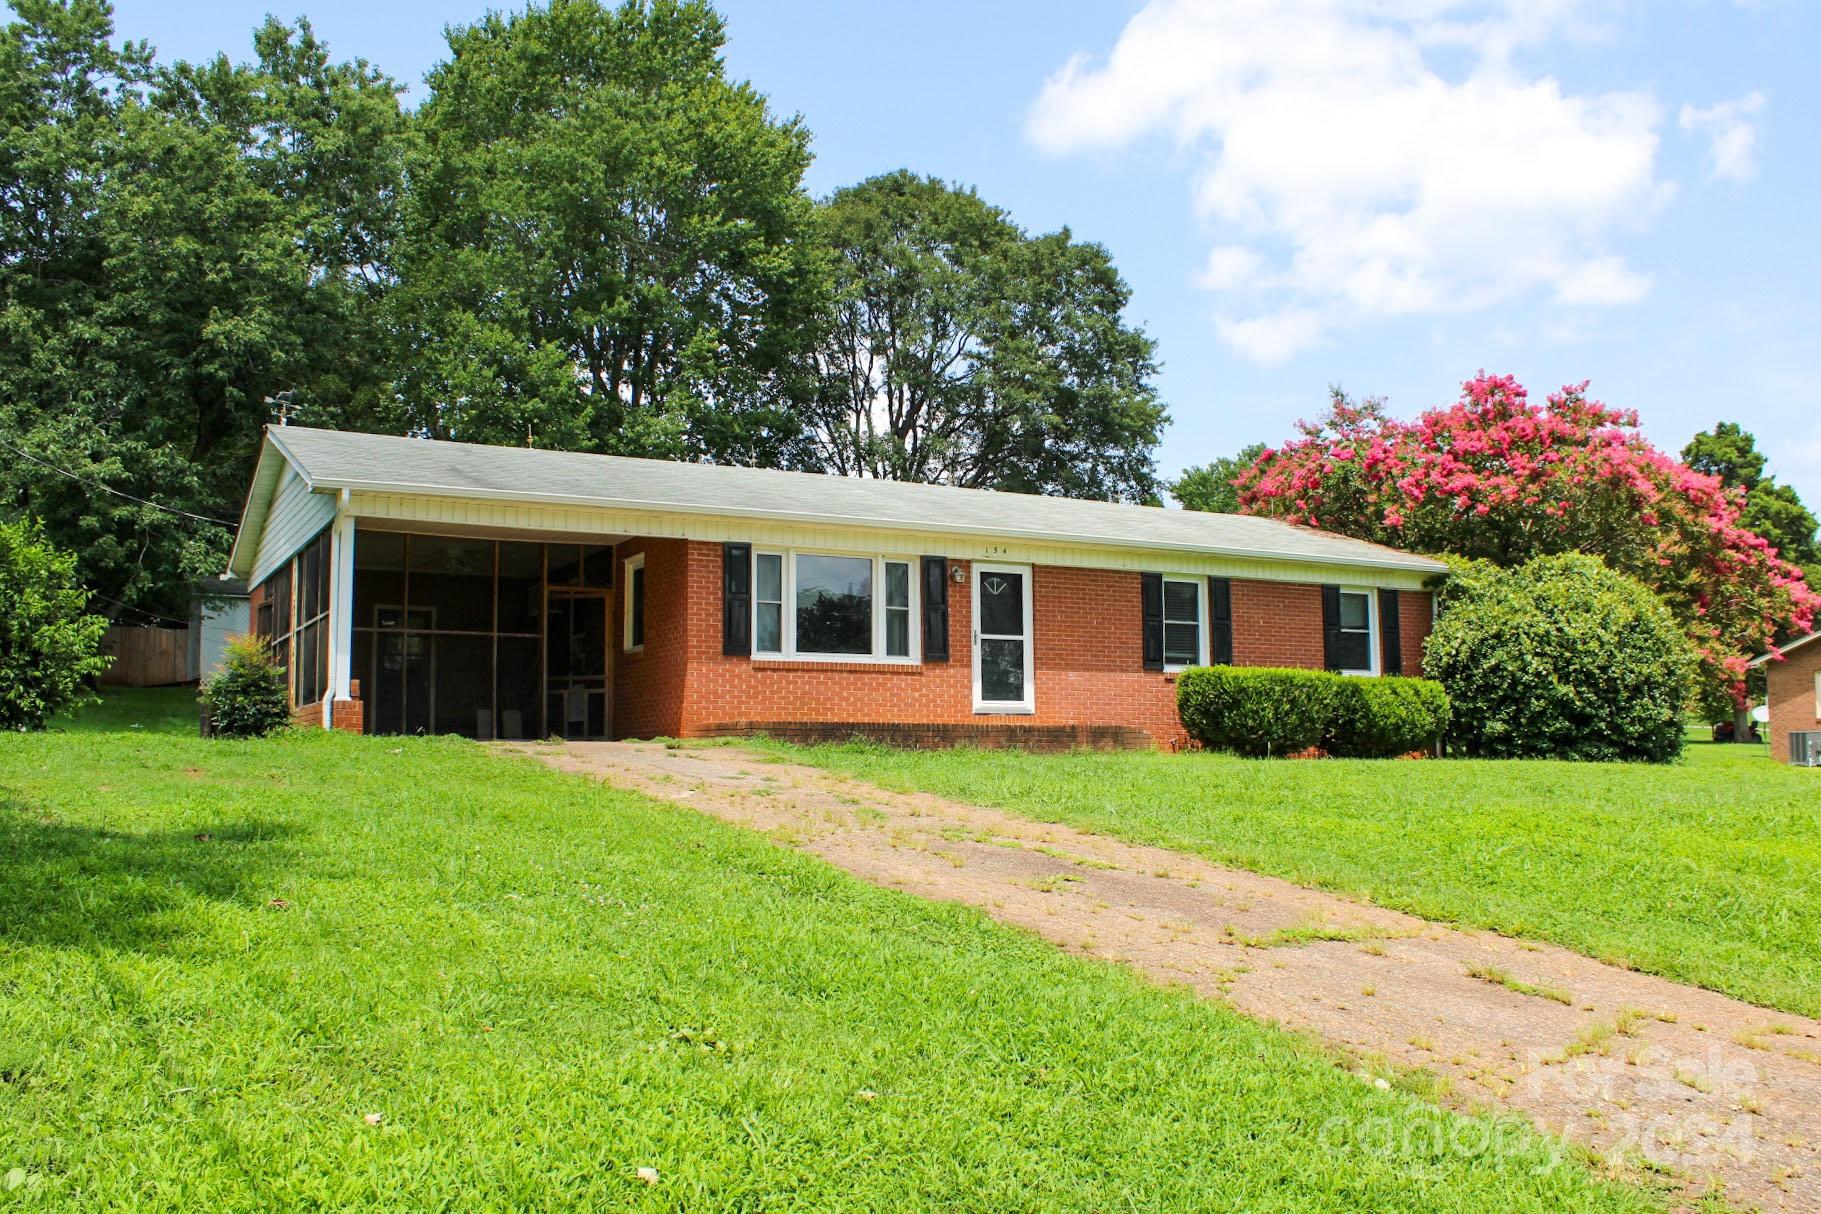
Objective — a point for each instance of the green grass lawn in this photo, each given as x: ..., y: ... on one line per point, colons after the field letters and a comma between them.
x: 218, y: 958
x: 1708, y: 871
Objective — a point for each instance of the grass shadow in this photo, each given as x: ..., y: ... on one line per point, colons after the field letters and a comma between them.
x: 96, y: 889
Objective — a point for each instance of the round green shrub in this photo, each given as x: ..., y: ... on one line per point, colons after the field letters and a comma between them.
x: 1383, y: 718
x: 50, y: 647
x: 247, y: 697
x: 1560, y: 658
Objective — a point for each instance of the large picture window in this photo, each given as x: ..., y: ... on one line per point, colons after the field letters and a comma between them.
x: 833, y: 605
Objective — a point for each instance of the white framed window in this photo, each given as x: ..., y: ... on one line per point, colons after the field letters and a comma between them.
x: 834, y: 606
x: 633, y: 611
x: 1185, y: 623
x: 1358, y: 630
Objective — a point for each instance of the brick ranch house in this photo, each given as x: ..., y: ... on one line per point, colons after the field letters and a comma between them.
x: 1793, y: 691
x: 417, y: 586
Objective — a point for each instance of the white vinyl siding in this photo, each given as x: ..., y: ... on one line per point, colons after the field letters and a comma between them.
x: 297, y: 517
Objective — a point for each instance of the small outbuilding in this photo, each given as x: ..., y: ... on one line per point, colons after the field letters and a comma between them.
x: 1793, y: 679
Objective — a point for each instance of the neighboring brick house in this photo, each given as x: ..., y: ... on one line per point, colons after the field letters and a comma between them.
x: 418, y: 586
x: 1792, y: 676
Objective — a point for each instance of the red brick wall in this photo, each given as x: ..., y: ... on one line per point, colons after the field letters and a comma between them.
x: 649, y: 686
x: 1277, y: 624
x: 1792, y: 697
x: 1088, y: 658
x: 1415, y: 617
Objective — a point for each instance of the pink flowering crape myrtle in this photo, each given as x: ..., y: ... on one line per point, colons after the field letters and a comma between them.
x: 1496, y: 477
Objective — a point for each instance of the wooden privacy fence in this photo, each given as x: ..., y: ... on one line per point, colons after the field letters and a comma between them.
x: 147, y: 657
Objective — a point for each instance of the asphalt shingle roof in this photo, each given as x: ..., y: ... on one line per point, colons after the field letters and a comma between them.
x: 335, y: 459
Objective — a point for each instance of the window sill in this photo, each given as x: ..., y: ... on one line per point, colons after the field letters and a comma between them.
x: 857, y: 665
x: 984, y: 710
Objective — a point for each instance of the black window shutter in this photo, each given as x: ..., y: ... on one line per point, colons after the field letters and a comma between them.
x: 1330, y: 627
x: 935, y: 609
x: 1391, y: 646
x: 1220, y: 620
x: 1153, y: 621
x: 736, y: 600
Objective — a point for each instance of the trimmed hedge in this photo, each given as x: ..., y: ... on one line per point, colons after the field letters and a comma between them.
x: 1264, y: 710
x: 1381, y: 718
x: 1560, y: 658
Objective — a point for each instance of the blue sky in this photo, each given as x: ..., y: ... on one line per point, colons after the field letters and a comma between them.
x: 1384, y: 194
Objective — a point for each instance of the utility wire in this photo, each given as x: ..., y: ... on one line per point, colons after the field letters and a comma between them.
x: 148, y: 613
x: 95, y: 484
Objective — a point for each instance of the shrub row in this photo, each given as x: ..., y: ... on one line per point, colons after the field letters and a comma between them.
x: 1259, y: 710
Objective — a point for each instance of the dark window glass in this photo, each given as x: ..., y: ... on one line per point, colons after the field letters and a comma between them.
x: 1356, y: 631
x: 897, y: 609
x: 454, y: 579
x: 521, y: 589
x: 1001, y: 604
x: 1002, y: 670
x: 834, y: 604
x: 636, y: 591
x: 1354, y: 612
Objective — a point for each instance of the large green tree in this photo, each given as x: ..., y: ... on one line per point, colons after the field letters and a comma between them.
x: 178, y: 243
x: 609, y: 243
x: 964, y: 351
x: 1210, y: 486
x: 1774, y: 511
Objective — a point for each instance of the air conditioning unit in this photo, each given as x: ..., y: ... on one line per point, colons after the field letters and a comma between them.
x: 1805, y: 748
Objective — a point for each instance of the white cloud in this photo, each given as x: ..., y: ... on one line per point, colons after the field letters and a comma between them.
x: 1274, y: 337
x: 1732, y: 137
x: 1229, y: 266
x: 1392, y: 148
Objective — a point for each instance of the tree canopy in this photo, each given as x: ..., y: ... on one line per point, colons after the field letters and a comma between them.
x: 1730, y: 453
x: 965, y: 351
x: 607, y: 244
x: 1213, y: 486
x: 176, y: 244
x: 1498, y: 478
x: 588, y: 236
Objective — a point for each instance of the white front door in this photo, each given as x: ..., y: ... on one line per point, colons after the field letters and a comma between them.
x: 1002, y: 639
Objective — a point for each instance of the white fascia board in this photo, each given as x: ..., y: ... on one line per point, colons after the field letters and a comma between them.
x: 1413, y: 564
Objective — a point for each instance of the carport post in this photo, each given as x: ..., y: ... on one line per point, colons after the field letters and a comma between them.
x: 341, y: 611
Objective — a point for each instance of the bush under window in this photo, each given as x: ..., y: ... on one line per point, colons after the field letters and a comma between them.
x: 1261, y: 710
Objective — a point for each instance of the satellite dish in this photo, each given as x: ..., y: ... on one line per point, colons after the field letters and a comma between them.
x: 1761, y: 714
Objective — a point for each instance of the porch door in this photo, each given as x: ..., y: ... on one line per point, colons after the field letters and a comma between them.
x: 578, y: 689
x: 1002, y: 639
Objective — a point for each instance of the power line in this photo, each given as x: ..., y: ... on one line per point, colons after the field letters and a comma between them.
x: 95, y: 484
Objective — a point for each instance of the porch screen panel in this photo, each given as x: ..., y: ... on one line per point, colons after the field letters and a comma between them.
x: 449, y: 633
